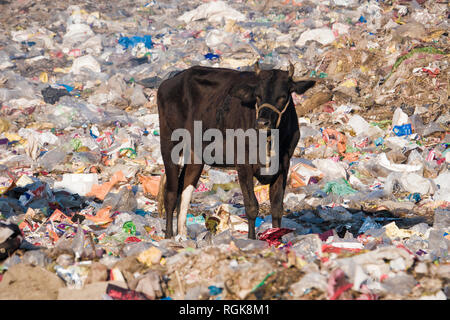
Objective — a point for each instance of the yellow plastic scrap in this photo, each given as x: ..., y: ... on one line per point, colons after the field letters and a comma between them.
x: 339, y: 67
x: 262, y: 193
x: 300, y: 263
x: 43, y: 77
x: 61, y: 70
x: 150, y: 256
x: 364, y: 69
x: 15, y: 137
x: 433, y: 35
x: 24, y: 181
x: 4, y: 125
x: 392, y: 231
x: 350, y: 83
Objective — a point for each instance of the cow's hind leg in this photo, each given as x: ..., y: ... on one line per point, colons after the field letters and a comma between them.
x: 160, y: 196
x: 245, y: 176
x: 170, y: 198
x: 190, y: 179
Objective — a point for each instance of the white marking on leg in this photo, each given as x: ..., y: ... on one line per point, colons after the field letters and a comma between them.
x: 184, y: 206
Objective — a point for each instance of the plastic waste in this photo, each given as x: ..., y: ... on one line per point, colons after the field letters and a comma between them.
x: 400, y: 118
x: 127, y: 42
x: 309, y: 281
x: 213, y: 12
x: 77, y: 183
x: 85, y: 62
x: 7, y: 179
x: 403, y: 130
x: 36, y: 258
x: 10, y: 239
x: 123, y: 201
x: 219, y: 177
x: 51, y: 159
x: 358, y: 124
x: 331, y: 169
x: 340, y: 187
x: 80, y: 152
x: 322, y: 35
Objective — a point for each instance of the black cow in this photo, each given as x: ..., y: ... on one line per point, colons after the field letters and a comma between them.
x: 228, y: 99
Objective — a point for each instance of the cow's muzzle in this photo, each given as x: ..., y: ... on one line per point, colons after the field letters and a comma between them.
x: 264, y: 123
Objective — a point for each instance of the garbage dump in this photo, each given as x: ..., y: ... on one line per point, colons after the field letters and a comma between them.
x: 367, y: 212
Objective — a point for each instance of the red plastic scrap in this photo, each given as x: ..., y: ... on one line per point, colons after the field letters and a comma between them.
x: 341, y: 290
x: 433, y: 72
x: 337, y: 284
x: 402, y: 246
x: 132, y: 239
x: 329, y: 248
x: 273, y: 235
x: 118, y: 293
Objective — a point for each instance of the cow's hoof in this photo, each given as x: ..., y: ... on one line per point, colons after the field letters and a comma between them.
x: 180, y: 238
x: 168, y: 235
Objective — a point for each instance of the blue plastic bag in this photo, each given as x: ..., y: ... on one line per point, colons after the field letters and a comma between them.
x: 133, y: 41
x: 403, y: 130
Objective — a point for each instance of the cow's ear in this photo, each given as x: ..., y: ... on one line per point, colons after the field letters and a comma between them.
x: 300, y: 87
x: 244, y: 92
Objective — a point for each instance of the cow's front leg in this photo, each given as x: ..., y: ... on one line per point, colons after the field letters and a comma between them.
x: 245, y: 176
x: 276, y: 194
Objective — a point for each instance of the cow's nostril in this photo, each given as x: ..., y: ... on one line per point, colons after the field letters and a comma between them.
x: 262, y: 123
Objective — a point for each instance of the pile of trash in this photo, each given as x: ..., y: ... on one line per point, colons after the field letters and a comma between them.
x: 367, y: 203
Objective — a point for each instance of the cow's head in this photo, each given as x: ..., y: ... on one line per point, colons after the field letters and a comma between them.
x: 271, y: 94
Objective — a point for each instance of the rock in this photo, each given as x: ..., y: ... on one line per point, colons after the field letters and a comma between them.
x: 97, y: 273
x: 400, y: 284
x: 26, y: 282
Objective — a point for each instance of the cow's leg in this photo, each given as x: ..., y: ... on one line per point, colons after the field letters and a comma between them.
x: 170, y: 195
x: 245, y: 176
x: 160, y: 197
x: 191, y: 176
x: 276, y: 194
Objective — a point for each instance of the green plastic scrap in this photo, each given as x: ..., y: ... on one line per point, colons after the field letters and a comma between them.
x: 130, y: 152
x: 399, y: 61
x: 350, y: 149
x: 259, y: 285
x: 340, y: 187
x: 76, y: 144
x: 129, y: 227
x: 384, y: 124
x: 320, y: 75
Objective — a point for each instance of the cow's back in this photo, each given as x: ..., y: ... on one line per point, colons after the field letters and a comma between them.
x: 199, y: 93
